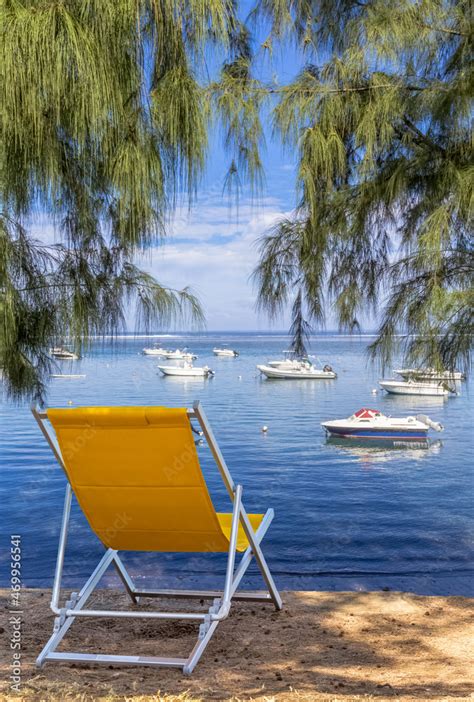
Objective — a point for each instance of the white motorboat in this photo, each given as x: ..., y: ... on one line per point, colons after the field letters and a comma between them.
x: 414, y: 387
x: 63, y: 354
x: 285, y: 363
x: 180, y: 355
x: 155, y: 351
x: 303, y: 371
x: 225, y: 352
x: 288, y: 362
x: 372, y: 424
x: 429, y: 374
x: 187, y: 371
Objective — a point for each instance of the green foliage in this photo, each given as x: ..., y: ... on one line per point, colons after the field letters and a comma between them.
x: 49, y: 292
x: 383, y: 134
x: 101, y: 123
x: 105, y: 108
x: 238, y: 101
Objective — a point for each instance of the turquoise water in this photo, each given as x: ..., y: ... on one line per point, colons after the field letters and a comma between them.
x: 347, y: 517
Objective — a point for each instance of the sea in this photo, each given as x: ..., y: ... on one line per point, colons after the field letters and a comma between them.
x: 348, y: 516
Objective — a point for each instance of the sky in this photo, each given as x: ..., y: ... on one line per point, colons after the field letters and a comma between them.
x: 213, y: 249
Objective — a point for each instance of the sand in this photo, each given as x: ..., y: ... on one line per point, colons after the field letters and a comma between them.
x: 322, y: 646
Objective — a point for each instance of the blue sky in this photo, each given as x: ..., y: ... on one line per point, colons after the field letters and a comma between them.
x: 212, y: 247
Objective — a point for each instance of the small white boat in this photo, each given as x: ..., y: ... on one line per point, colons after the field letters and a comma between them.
x: 303, y: 371
x: 63, y: 354
x: 225, y: 352
x: 155, y: 351
x: 413, y: 387
x: 67, y: 376
x: 429, y: 374
x: 372, y: 424
x: 187, y: 371
x: 180, y: 355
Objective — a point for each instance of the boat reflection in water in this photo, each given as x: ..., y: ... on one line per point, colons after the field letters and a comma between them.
x: 383, y: 450
x: 414, y: 403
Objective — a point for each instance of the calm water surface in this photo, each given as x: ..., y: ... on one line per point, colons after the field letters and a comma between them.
x: 347, y: 517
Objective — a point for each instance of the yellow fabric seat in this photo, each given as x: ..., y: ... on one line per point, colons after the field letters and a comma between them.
x: 225, y: 521
x: 136, y: 475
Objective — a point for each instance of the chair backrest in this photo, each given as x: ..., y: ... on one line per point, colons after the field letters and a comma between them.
x: 136, y: 475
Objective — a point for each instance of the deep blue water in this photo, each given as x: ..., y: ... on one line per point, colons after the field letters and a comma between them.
x: 347, y: 517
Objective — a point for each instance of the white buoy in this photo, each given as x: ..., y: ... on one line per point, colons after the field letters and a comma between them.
x: 69, y: 402
x: 264, y: 428
x: 374, y: 391
x: 239, y: 377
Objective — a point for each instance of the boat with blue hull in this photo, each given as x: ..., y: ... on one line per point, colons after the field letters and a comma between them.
x: 372, y: 424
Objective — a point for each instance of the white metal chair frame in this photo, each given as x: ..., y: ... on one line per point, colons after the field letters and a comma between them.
x: 222, y: 600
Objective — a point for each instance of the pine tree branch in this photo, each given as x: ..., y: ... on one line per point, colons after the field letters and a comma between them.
x: 423, y: 137
x: 321, y: 89
x: 444, y: 30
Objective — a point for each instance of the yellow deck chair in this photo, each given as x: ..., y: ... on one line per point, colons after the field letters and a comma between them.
x: 135, y: 473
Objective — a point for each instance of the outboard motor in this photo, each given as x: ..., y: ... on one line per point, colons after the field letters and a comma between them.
x: 437, y: 426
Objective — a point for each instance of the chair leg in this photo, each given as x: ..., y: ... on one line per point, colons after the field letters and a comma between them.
x: 207, y: 628
x: 63, y: 621
x: 73, y: 610
x: 253, y: 550
x: 260, y: 558
x: 199, y: 649
x: 127, y: 581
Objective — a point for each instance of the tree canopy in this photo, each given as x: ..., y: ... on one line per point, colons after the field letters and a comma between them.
x: 105, y: 112
x: 102, y: 122
x: 385, y: 172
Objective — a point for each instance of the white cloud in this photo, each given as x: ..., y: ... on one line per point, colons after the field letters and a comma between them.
x: 43, y: 229
x: 211, y: 217
x: 219, y: 273
x: 212, y: 249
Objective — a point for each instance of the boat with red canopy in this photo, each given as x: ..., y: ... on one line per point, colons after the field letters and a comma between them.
x: 372, y: 424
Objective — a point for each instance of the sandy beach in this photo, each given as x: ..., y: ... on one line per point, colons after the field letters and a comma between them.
x: 322, y: 646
